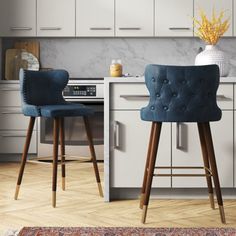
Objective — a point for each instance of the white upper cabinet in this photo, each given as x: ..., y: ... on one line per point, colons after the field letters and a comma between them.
x: 219, y: 5
x: 56, y: 18
x: 134, y: 18
x: 95, y: 18
x: 234, y: 14
x: 174, y: 18
x: 17, y: 18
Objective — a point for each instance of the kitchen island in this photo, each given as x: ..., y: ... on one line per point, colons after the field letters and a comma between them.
x: 126, y: 139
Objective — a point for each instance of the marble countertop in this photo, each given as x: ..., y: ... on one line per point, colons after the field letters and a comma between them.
x: 127, y: 80
x: 141, y: 79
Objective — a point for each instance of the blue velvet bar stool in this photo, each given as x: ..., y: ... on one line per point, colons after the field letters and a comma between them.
x: 182, y: 94
x: 41, y: 94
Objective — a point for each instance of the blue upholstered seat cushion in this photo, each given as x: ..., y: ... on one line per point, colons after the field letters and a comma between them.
x: 31, y: 110
x: 63, y: 110
x: 69, y: 109
x: 182, y: 93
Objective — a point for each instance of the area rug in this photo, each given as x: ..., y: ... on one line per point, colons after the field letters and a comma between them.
x: 123, y: 231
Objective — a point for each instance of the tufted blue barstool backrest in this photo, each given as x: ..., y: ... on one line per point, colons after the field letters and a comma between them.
x: 182, y: 93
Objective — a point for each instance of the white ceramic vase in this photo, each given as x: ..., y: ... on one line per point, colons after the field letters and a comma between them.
x: 212, y: 55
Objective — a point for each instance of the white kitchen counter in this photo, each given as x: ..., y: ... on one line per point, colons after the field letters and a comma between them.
x: 141, y: 79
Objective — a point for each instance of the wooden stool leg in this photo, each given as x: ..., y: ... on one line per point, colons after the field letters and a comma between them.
x: 151, y: 167
x: 62, y: 142
x: 212, y: 160
x: 55, y: 159
x: 146, y: 168
x: 206, y: 164
x: 93, y: 155
x: 24, y: 155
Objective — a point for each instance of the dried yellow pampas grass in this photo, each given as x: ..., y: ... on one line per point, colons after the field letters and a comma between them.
x: 210, y: 30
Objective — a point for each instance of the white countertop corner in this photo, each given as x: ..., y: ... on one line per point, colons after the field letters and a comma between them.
x: 141, y: 79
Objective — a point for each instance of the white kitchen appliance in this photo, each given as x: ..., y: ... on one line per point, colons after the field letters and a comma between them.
x: 90, y: 93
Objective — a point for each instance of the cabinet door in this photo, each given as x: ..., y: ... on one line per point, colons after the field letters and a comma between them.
x: 134, y: 18
x: 234, y: 14
x: 12, y: 142
x: 219, y: 5
x: 174, y: 18
x: 188, y: 153
x: 129, y: 137
x: 17, y: 18
x: 95, y: 18
x: 56, y: 18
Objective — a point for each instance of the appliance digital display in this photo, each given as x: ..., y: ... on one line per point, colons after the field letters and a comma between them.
x: 80, y: 90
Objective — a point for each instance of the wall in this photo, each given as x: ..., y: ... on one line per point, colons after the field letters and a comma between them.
x: 91, y: 57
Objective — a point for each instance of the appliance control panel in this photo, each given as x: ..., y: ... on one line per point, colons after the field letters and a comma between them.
x: 80, y: 91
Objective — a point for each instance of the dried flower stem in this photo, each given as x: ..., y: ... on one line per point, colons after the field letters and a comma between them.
x: 210, y: 30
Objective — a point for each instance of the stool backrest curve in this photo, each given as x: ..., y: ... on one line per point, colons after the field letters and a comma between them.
x: 182, y: 93
x: 39, y: 88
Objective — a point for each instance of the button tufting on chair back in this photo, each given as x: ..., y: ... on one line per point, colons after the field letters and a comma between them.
x: 182, y: 93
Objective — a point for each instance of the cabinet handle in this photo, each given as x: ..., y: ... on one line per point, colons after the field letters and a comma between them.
x: 128, y: 96
x: 13, y: 135
x: 116, y: 135
x: 179, y: 28
x: 21, y: 28
x: 11, y: 112
x: 129, y: 28
x: 221, y: 97
x: 9, y: 89
x: 50, y: 28
x: 178, y: 135
x: 100, y: 28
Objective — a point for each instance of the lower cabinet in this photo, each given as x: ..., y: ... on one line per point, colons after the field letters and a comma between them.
x: 186, y: 151
x: 179, y: 143
x: 129, y: 137
x: 13, y: 124
x: 234, y: 151
x: 12, y: 142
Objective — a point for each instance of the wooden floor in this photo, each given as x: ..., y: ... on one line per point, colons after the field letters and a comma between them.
x: 80, y: 204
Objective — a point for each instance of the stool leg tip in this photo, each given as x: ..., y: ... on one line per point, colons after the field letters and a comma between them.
x: 63, y: 183
x: 100, y: 189
x: 144, y: 215
x: 222, y: 214
x: 141, y: 201
x: 54, y: 199
x: 211, y: 197
x: 17, y: 192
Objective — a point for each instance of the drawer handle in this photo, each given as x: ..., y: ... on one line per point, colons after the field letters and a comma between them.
x: 21, y: 28
x: 179, y: 28
x: 100, y: 28
x: 9, y: 89
x: 116, y: 134
x: 129, y: 28
x: 13, y: 135
x: 222, y: 97
x: 50, y: 28
x: 178, y: 135
x: 11, y: 112
x: 128, y: 96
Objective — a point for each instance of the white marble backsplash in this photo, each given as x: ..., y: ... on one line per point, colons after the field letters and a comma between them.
x: 91, y: 57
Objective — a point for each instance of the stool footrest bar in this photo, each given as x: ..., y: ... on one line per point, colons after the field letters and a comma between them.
x: 182, y: 175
